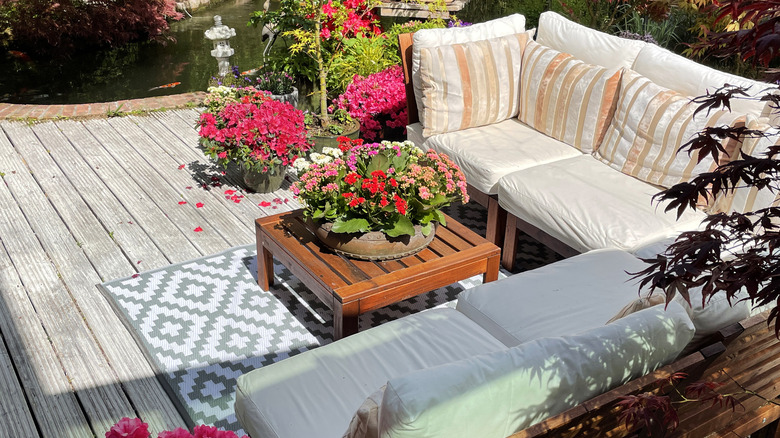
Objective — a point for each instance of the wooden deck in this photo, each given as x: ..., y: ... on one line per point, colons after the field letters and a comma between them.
x: 85, y: 202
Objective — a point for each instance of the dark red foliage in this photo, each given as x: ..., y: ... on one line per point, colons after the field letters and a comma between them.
x: 759, y: 44
x: 751, y: 240
x: 55, y: 27
x: 651, y: 412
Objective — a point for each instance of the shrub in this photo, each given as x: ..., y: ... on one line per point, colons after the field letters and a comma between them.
x: 376, y: 101
x: 58, y: 27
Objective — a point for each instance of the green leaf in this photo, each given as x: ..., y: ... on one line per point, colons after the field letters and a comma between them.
x: 378, y: 162
x: 440, y: 217
x: 427, y: 228
x: 402, y: 226
x: 355, y: 225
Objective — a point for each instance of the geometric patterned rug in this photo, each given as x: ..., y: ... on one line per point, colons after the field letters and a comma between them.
x: 204, y: 322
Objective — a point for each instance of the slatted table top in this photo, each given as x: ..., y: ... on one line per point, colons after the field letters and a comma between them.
x: 352, y: 287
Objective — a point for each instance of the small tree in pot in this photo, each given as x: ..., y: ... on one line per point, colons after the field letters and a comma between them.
x: 318, y: 29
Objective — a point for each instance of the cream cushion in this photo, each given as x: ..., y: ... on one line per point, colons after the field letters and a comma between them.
x: 495, y: 395
x: 470, y: 84
x: 589, y: 45
x: 690, y: 78
x: 710, y: 316
x: 487, y: 153
x: 650, y: 126
x: 527, y: 306
x: 426, y: 38
x: 588, y: 205
x: 566, y: 98
x: 356, y: 367
x: 747, y: 198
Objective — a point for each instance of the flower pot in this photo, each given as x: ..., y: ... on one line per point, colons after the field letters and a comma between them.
x: 264, y: 182
x: 291, y: 98
x: 374, y: 245
x: 320, y: 141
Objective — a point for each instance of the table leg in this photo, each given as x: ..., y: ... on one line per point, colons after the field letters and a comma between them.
x: 493, y: 265
x: 345, y: 320
x: 265, y: 267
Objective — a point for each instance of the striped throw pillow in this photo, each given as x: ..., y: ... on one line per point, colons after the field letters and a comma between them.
x: 470, y: 84
x: 650, y: 125
x: 744, y: 198
x: 566, y: 98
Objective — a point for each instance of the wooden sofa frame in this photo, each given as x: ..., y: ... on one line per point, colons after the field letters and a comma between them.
x: 743, y: 356
x: 502, y: 227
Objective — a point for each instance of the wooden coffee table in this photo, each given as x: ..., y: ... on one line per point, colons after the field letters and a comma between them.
x: 352, y: 287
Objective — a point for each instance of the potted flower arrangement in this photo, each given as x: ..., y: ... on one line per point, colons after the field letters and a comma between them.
x: 280, y: 84
x: 261, y: 134
x: 318, y: 29
x: 377, y: 200
x: 378, y: 102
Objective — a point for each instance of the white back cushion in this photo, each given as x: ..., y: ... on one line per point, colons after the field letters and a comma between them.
x: 690, y: 78
x: 497, y: 394
x: 428, y: 38
x: 587, y: 44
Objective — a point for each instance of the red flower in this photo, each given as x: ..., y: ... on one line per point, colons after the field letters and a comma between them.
x: 199, y: 205
x: 198, y: 230
x: 351, y: 178
x: 400, y: 204
x: 182, y: 202
x: 348, y: 194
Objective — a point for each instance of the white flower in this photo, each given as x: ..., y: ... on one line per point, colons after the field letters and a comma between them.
x: 333, y: 152
x: 223, y: 90
x: 320, y: 158
x: 300, y: 165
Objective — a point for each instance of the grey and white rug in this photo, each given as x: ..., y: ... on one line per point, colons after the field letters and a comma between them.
x: 205, y: 322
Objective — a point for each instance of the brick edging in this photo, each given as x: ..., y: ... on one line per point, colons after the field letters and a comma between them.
x: 101, y: 109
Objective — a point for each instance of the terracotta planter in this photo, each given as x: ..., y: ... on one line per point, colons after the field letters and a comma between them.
x: 264, y: 182
x: 320, y: 141
x: 374, y: 245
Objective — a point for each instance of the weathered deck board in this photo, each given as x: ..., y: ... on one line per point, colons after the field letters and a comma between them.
x: 83, y: 202
x: 217, y: 210
x: 114, y: 218
x: 143, y: 211
x: 88, y: 372
x: 102, y: 253
x: 160, y: 192
x: 15, y: 416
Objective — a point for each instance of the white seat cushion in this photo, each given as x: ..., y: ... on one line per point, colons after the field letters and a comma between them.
x: 497, y: 394
x: 588, y: 205
x: 693, y: 79
x: 317, y: 392
x: 528, y: 305
x: 587, y: 44
x: 487, y: 153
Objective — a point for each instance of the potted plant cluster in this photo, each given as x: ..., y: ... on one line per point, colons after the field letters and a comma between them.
x: 262, y: 135
x: 318, y: 30
x: 280, y: 84
x: 377, y: 201
x: 378, y: 102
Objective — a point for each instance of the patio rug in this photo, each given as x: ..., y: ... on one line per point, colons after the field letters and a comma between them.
x: 205, y: 322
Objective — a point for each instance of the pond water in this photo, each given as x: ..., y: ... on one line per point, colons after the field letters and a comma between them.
x: 131, y: 71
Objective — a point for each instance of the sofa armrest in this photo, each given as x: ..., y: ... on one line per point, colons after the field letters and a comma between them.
x: 405, y: 46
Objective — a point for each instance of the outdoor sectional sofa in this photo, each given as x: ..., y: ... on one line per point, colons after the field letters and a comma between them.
x: 551, y: 351
x: 571, y: 134
x: 533, y: 354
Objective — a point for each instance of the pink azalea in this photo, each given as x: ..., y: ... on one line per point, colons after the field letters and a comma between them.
x: 127, y: 428
x: 177, y: 433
